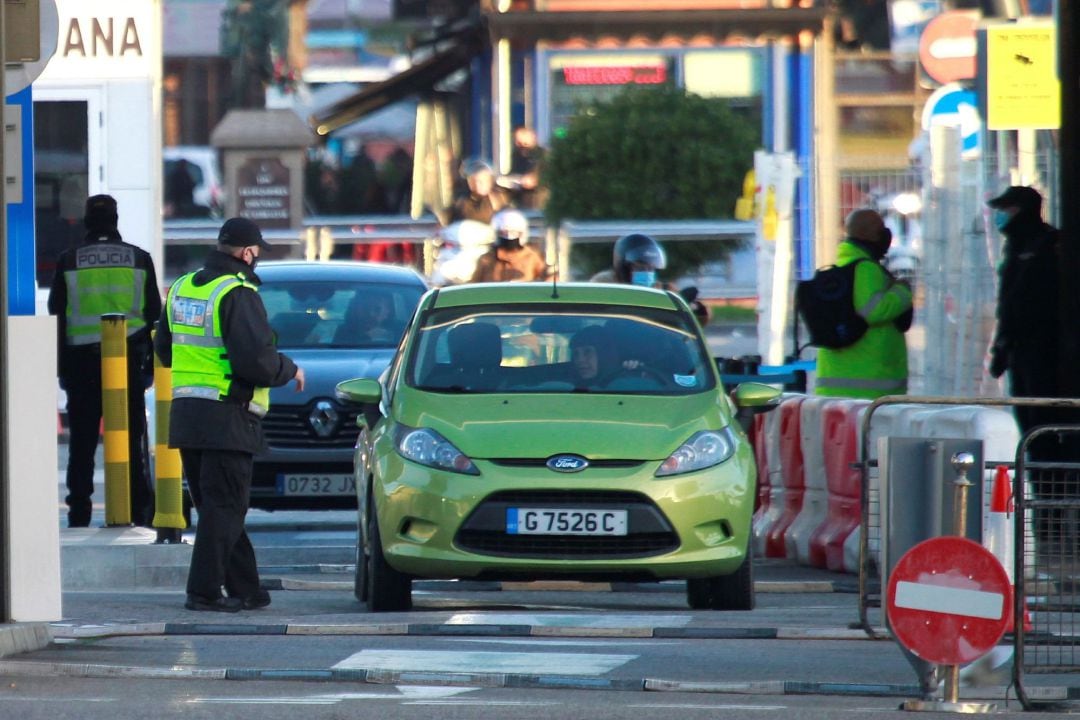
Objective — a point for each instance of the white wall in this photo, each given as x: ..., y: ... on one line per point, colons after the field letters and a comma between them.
x: 33, y: 523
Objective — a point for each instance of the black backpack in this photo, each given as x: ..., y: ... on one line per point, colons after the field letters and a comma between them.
x: 827, y: 306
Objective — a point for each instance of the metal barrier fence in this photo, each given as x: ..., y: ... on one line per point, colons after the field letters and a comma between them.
x: 872, y: 525
x: 187, y: 240
x: 1046, y: 562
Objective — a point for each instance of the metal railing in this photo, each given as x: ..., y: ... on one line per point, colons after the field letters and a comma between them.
x: 872, y: 524
x: 1046, y: 561
x: 185, y: 239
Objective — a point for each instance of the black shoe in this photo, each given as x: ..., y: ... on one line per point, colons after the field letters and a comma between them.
x: 221, y: 604
x: 260, y: 599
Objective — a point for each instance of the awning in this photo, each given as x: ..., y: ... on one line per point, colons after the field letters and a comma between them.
x: 769, y: 22
x: 419, y: 78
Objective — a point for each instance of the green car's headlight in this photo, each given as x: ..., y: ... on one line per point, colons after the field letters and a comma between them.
x: 427, y: 447
x: 703, y: 450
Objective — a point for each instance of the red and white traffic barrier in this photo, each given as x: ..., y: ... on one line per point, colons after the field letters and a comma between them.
x: 771, y: 510
x: 888, y: 420
x: 814, y: 503
x: 791, y: 473
x: 842, y: 432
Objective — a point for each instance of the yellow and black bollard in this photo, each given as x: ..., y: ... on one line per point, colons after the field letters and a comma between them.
x: 168, y: 472
x: 114, y: 410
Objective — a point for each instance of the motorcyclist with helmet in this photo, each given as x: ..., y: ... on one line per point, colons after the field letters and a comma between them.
x: 510, y: 257
x: 479, y: 198
x: 636, y: 258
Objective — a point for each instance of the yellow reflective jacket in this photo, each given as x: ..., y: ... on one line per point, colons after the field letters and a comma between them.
x: 877, y: 364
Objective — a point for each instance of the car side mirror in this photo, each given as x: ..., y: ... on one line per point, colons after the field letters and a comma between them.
x: 756, y: 397
x: 753, y: 398
x: 359, y: 390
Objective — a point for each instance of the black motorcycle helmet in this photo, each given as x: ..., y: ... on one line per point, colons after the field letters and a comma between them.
x: 636, y: 249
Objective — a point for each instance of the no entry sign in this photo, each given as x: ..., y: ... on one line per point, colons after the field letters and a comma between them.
x: 949, y: 600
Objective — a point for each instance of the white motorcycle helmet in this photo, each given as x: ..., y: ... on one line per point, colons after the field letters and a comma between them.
x: 511, y: 228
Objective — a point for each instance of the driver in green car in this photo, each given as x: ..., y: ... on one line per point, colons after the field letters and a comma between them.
x: 593, y: 358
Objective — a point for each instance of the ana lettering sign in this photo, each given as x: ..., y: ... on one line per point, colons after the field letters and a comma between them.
x: 94, y: 37
x: 106, y: 39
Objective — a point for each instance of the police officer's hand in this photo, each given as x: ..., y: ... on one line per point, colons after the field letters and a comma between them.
x: 999, y: 361
x: 298, y: 378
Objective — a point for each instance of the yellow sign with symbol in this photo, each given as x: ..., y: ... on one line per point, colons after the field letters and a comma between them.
x: 1022, y: 87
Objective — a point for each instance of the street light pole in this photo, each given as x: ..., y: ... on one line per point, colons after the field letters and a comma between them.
x: 5, y: 479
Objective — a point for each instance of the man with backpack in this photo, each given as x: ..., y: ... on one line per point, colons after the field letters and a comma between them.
x: 875, y: 363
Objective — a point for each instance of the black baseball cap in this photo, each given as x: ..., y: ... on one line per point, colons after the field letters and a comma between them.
x: 241, y: 232
x: 1018, y: 196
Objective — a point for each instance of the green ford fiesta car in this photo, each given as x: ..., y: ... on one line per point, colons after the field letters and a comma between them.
x: 527, y: 431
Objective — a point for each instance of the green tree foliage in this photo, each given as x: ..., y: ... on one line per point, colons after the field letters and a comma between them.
x: 651, y: 154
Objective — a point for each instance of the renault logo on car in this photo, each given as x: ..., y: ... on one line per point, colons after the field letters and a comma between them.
x: 323, y: 418
x: 567, y: 463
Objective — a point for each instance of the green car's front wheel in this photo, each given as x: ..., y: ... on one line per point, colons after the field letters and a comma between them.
x: 728, y: 592
x: 387, y: 589
x: 360, y: 585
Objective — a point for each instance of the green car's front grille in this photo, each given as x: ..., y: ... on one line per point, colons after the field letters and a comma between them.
x: 649, y: 532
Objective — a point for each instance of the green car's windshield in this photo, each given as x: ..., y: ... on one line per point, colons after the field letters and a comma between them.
x: 559, y: 349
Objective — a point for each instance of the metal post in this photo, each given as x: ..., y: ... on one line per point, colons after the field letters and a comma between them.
x: 114, y: 406
x: 168, y: 472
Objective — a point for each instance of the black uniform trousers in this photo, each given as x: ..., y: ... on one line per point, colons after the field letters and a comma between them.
x: 220, y: 486
x: 83, y: 388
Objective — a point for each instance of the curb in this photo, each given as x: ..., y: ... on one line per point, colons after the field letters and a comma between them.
x: 376, y: 676
x: 71, y: 632
x: 18, y: 638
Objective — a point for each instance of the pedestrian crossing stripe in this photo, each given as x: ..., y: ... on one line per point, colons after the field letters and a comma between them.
x: 576, y: 620
x: 527, y: 663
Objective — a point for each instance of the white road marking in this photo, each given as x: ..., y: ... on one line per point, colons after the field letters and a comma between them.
x: 551, y: 642
x: 718, y: 706
x: 953, y: 601
x: 404, y: 693
x: 480, y: 703
x: 608, y: 620
x: 485, y: 662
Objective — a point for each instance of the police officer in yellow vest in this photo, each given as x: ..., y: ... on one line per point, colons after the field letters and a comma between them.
x: 215, y: 336
x: 103, y: 275
x: 877, y: 364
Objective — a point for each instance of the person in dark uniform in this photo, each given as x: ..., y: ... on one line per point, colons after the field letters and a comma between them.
x: 1027, y: 343
x: 103, y: 275
x: 215, y: 336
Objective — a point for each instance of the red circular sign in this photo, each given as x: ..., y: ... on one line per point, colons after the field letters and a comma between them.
x: 949, y: 600
x: 947, y: 46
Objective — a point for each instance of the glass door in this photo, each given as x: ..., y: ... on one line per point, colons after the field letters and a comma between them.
x: 66, y: 172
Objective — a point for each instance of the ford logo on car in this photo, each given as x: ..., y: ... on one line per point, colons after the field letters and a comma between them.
x: 567, y: 463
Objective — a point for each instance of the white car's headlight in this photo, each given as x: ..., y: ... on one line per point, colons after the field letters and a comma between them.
x: 703, y: 450
x: 427, y: 447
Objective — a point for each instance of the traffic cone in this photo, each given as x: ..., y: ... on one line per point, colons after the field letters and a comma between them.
x: 999, y: 532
